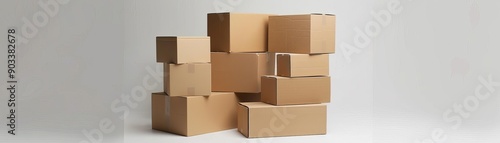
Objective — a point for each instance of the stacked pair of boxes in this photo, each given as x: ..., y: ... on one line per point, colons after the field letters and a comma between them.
x: 293, y: 100
x: 188, y: 107
x: 239, y: 53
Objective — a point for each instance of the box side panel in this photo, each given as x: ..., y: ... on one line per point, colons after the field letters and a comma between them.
x: 221, y: 71
x: 269, y: 90
x: 166, y: 49
x: 243, y: 120
x: 158, y: 116
x: 322, y: 34
x: 218, y: 30
x: 284, y: 65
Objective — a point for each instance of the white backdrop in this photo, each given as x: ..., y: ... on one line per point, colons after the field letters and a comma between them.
x: 418, y: 71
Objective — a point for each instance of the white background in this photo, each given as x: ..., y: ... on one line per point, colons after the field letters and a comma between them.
x: 424, y: 61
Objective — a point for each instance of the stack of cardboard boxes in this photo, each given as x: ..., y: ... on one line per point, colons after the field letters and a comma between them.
x: 228, y: 79
x: 293, y: 100
x: 188, y: 107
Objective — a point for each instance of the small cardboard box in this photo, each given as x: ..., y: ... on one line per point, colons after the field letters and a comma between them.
x: 299, y: 65
x: 237, y: 32
x: 296, y: 90
x: 181, y: 50
x: 194, y: 115
x: 257, y: 119
x: 238, y: 72
x: 187, y: 79
x: 305, y: 34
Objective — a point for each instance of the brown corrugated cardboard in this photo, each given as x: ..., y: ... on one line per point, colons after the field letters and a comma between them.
x: 256, y: 119
x: 299, y: 65
x: 296, y: 90
x: 237, y: 32
x: 194, y: 115
x: 248, y: 97
x: 306, y: 34
x: 179, y: 50
x: 238, y: 72
x: 187, y: 79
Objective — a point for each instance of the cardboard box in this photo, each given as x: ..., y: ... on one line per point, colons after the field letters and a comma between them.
x: 256, y: 119
x: 187, y: 79
x: 297, y: 90
x: 182, y: 49
x: 299, y: 65
x: 305, y: 34
x: 238, y: 72
x: 237, y: 32
x: 194, y: 115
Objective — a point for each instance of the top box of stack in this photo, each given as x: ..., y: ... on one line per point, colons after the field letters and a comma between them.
x: 237, y: 32
x: 304, y: 34
x: 180, y: 50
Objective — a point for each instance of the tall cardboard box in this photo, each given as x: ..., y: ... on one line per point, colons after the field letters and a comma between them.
x: 194, y: 115
x: 256, y: 119
x: 238, y: 72
x: 237, y: 32
x: 187, y: 79
x: 299, y: 65
x: 179, y: 50
x: 305, y: 34
x: 297, y: 90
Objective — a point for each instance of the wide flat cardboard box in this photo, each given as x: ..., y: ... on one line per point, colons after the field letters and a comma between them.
x: 180, y: 50
x: 257, y: 119
x: 238, y: 72
x: 296, y: 90
x: 194, y: 115
x: 187, y: 79
x: 237, y: 32
x: 305, y: 34
x: 299, y: 65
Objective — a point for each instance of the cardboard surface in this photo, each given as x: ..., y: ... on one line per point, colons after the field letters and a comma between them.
x: 238, y: 72
x: 237, y: 32
x: 187, y: 79
x: 300, y: 65
x: 305, y: 34
x: 180, y: 50
x: 194, y: 115
x: 298, y: 90
x: 249, y: 97
x: 256, y: 119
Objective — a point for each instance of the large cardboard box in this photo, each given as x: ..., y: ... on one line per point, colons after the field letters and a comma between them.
x: 257, y: 119
x: 238, y: 72
x: 180, y: 50
x: 297, y: 90
x: 194, y: 115
x: 299, y: 65
x: 237, y: 32
x: 187, y: 79
x: 306, y: 34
